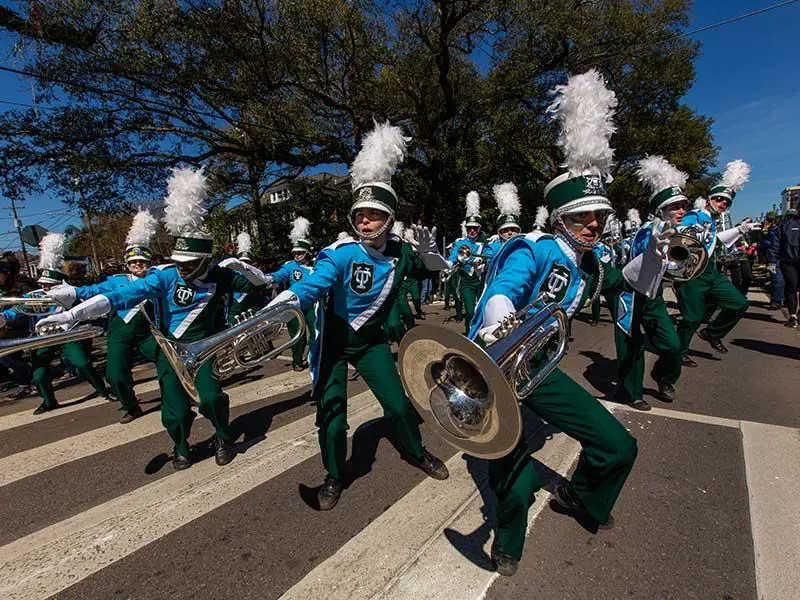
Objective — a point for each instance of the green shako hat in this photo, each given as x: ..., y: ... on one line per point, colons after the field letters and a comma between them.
x: 137, y: 244
x: 737, y: 173
x: 51, y: 257
x: 585, y: 108
x: 300, y: 235
x: 507, y: 199
x: 382, y: 149
x: 185, y: 211
x: 664, y: 181
x: 473, y: 216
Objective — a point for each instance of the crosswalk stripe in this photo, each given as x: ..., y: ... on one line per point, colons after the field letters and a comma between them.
x: 52, y: 559
x: 27, y: 417
x: 403, y: 552
x: 48, y: 456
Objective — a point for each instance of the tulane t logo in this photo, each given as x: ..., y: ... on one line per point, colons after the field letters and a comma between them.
x: 362, y: 277
x: 184, y: 295
x: 557, y: 282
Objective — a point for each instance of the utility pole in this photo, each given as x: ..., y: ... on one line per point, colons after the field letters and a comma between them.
x: 18, y: 225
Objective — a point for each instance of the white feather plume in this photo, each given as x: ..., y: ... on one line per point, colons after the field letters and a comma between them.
x: 382, y: 149
x: 300, y: 229
x: 473, y: 204
x: 244, y: 243
x: 700, y: 203
x: 142, y: 230
x: 633, y: 218
x: 343, y: 235
x: 585, y: 109
x: 507, y: 199
x: 658, y: 174
x: 737, y: 173
x: 463, y: 229
x: 398, y: 229
x: 541, y: 217
x: 51, y: 251
x: 185, y: 204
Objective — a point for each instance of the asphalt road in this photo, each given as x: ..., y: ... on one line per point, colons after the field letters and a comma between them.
x: 93, y: 510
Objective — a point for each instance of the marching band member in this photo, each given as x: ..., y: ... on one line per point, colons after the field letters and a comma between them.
x: 564, y: 267
x: 360, y: 279
x: 51, y: 257
x: 507, y: 199
x: 240, y: 304
x: 465, y: 258
x: 640, y: 318
x: 190, y: 296
x: 128, y: 329
x: 711, y: 289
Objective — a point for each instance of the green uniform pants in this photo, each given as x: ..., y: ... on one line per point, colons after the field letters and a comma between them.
x: 451, y: 290
x: 596, y: 310
x: 652, y: 323
x: 308, y: 337
x: 415, y: 289
x: 698, y: 297
x: 119, y: 366
x: 176, y: 408
x: 607, y: 456
x: 376, y: 366
x: 78, y: 354
x: 470, y: 288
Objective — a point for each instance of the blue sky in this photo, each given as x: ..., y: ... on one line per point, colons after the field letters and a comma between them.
x: 748, y: 81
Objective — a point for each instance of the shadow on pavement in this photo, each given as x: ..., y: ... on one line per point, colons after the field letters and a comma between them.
x: 763, y: 347
x: 600, y: 373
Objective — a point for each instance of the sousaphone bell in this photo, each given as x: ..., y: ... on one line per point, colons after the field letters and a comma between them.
x: 472, y: 394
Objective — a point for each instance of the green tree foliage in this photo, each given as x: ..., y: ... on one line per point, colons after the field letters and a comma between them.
x: 261, y: 90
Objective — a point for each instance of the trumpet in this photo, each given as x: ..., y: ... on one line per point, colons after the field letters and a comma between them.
x: 54, y: 336
x: 465, y: 253
x: 241, y: 346
x: 30, y: 306
x: 472, y: 394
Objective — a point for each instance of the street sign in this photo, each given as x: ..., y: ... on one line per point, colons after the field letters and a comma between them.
x: 32, y: 234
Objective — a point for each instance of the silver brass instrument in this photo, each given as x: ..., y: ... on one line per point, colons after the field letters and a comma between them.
x: 465, y: 253
x: 686, y: 254
x: 53, y: 336
x: 241, y: 346
x: 472, y: 394
x: 30, y: 306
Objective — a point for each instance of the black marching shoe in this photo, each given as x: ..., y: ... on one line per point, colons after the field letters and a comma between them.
x: 688, y: 362
x: 640, y: 404
x: 43, y: 409
x: 563, y: 498
x: 127, y: 417
x: 792, y: 322
x: 505, y: 564
x: 715, y: 343
x: 666, y: 391
x: 224, y: 452
x: 179, y: 462
x: 432, y: 466
x: 329, y: 493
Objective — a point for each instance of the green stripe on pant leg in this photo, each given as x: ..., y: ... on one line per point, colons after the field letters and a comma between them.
x: 661, y: 333
x: 608, y: 450
x: 176, y: 408
x: 630, y: 364
x: 42, y: 375
x: 214, y: 402
x: 78, y: 355
x: 691, y: 297
x: 119, y: 362
x: 299, y: 348
x: 330, y: 396
x: 379, y: 371
x: 514, y: 481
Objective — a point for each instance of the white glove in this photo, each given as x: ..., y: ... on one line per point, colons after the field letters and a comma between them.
x: 659, y: 240
x: 286, y: 296
x: 772, y: 268
x: 424, y: 243
x: 64, y: 294
x: 748, y: 225
x: 93, y: 308
x: 253, y: 274
x: 487, y: 334
x: 644, y: 273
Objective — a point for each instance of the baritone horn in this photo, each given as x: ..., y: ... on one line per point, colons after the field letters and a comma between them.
x: 244, y: 345
x: 472, y: 394
x: 686, y: 255
x: 30, y: 306
x: 50, y: 337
